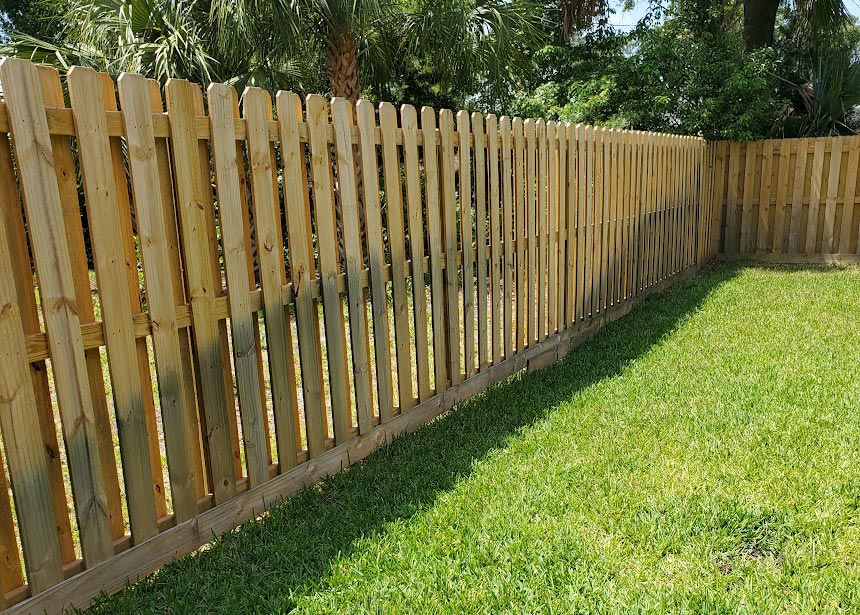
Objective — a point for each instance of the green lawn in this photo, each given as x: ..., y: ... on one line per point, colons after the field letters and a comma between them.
x: 702, y: 455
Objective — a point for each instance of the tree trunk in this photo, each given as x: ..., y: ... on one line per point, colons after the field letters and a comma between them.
x: 578, y: 14
x: 342, y: 66
x: 345, y: 83
x: 759, y: 23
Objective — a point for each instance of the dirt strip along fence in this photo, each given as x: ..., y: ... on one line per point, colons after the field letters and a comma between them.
x: 204, y: 309
x: 788, y: 200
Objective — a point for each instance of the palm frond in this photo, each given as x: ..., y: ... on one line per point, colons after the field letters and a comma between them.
x: 820, y: 18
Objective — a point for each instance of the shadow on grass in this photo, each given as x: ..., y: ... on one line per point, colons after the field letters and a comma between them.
x: 787, y: 266
x: 265, y: 564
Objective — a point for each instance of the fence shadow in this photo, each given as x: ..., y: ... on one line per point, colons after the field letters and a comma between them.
x: 811, y: 267
x: 295, y: 544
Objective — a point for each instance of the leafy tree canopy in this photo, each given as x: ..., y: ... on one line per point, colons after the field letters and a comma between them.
x: 689, y: 66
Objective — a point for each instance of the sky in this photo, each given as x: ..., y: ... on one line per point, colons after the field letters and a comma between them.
x: 628, y: 19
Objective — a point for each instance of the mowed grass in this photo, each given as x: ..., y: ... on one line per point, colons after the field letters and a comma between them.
x: 701, y: 455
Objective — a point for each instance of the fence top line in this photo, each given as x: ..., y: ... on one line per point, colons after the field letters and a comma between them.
x: 61, y: 123
x: 791, y: 142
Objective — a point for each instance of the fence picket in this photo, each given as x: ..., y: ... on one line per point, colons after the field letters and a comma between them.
x: 659, y: 255
x: 588, y: 206
x: 496, y: 319
x: 481, y: 237
x: 302, y: 269
x: 607, y: 196
x: 848, y: 228
x: 620, y: 216
x: 601, y: 202
x: 654, y: 206
x: 396, y: 239
x: 64, y: 167
x: 341, y: 114
x: 257, y: 111
x: 530, y: 232
x: 566, y: 187
x: 123, y: 204
x: 827, y: 243
x: 508, y: 237
x: 520, y: 329
x: 11, y: 219
x: 578, y: 210
x: 464, y: 155
x: 180, y: 442
x: 432, y: 193
x: 449, y: 227
x: 415, y: 222
x: 223, y: 109
x: 194, y: 198
x: 33, y: 153
x: 612, y: 217
x: 326, y: 226
x: 541, y: 230
x: 630, y: 187
x: 764, y: 196
x: 22, y: 437
x: 189, y: 379
x: 553, y: 280
x: 796, y: 198
x: 815, y: 196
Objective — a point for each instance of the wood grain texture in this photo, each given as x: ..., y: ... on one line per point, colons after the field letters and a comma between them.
x: 433, y: 203
x: 33, y: 154
x: 415, y: 227
x: 326, y: 226
x: 22, y: 439
x: 496, y: 289
x: 303, y: 269
x: 223, y: 107
x: 449, y: 227
x: 391, y: 165
x: 257, y: 111
x: 73, y: 224
x: 342, y: 113
x: 193, y: 198
x: 146, y: 180
x: 481, y: 239
x: 508, y: 237
x: 132, y: 270
x: 464, y: 192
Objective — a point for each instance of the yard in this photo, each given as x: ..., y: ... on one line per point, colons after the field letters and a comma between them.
x: 700, y: 455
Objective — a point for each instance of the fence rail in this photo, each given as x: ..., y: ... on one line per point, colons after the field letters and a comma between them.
x: 790, y: 199
x: 204, y: 307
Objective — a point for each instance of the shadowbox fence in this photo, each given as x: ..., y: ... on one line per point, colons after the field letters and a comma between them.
x: 788, y: 200
x: 204, y: 309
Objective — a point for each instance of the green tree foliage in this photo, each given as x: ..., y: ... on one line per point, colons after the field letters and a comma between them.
x: 685, y: 69
x: 32, y: 16
x: 688, y: 67
x: 710, y: 88
x: 458, y: 47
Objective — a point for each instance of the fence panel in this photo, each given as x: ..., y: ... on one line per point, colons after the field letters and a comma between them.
x: 787, y: 200
x: 415, y: 265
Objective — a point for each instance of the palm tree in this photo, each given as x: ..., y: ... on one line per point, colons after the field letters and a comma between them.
x: 470, y: 45
x: 291, y: 44
x: 577, y: 15
x: 826, y: 100
x: 166, y: 38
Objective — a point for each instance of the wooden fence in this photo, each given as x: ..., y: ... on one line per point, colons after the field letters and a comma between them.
x: 789, y: 200
x: 206, y: 309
